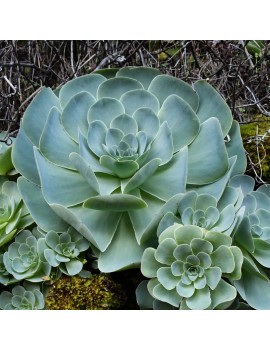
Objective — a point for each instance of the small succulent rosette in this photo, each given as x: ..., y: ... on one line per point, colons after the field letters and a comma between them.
x: 63, y: 250
x: 252, y: 235
x: 26, y: 297
x: 219, y: 213
x: 190, y: 268
x: 24, y: 258
x: 108, y: 150
x: 5, y: 277
x: 14, y: 216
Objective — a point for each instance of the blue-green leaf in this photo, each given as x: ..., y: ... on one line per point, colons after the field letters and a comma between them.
x: 88, y: 83
x: 115, y: 202
x: 116, y: 87
x: 74, y: 116
x: 164, y: 86
x: 211, y: 104
x: 105, y: 110
x: 207, y: 155
x: 182, y: 120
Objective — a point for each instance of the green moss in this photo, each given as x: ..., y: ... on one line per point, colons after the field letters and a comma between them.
x: 99, y: 292
x: 258, y: 148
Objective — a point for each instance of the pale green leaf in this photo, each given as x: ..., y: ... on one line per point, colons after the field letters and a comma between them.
x: 149, y: 265
x: 116, y: 87
x: 200, y: 300
x: 74, y: 116
x: 55, y: 143
x: 182, y: 120
x: 164, y: 86
x: 143, y: 74
x: 127, y: 258
x: 211, y: 104
x: 57, y: 183
x: 37, y: 112
x: 41, y: 212
x: 207, y: 155
x: 137, y: 99
x: 115, y: 203
x: 87, y: 83
x: 105, y: 110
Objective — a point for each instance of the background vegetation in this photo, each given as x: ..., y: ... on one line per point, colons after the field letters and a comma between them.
x: 239, y: 70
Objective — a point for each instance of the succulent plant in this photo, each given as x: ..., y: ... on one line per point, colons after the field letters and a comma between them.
x: 14, y: 215
x: 63, y: 250
x: 27, y: 297
x: 252, y: 235
x: 107, y: 153
x: 205, y: 211
x: 188, y: 268
x: 24, y: 258
x: 5, y: 277
x: 6, y: 165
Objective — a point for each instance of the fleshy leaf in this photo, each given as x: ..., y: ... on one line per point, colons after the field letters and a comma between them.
x: 162, y: 146
x: 88, y: 83
x: 169, y: 179
x: 223, y: 258
x: 147, y: 121
x: 149, y: 264
x: 41, y: 212
x: 166, y: 278
x: 74, y: 116
x: 74, y: 267
x: 182, y: 120
x: 37, y: 112
x: 185, y: 290
x: 142, y: 175
x: 129, y: 257
x: 223, y: 295
x: 105, y: 110
x: 115, y: 202
x: 116, y: 87
x: 143, y: 74
x: 137, y: 99
x: 164, y: 252
x: 23, y: 157
x: 185, y: 234
x: 164, y: 86
x: 213, y: 276
x: 200, y: 300
x: 122, y: 169
x: 58, y: 151
x: 57, y: 182
x: 209, y: 147
x: 144, y: 299
x: 212, y: 105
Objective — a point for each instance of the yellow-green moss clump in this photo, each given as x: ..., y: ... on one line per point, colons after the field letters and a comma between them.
x: 99, y: 292
x: 257, y: 142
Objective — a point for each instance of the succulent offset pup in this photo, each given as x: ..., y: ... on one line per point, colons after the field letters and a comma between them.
x: 27, y: 297
x: 14, y: 215
x: 107, y: 153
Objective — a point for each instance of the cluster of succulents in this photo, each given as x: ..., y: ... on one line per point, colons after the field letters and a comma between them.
x: 131, y: 168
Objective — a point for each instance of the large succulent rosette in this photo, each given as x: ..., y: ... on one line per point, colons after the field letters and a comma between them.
x: 108, y: 152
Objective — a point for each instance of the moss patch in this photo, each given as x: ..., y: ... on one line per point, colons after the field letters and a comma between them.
x: 99, y: 292
x: 256, y: 140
